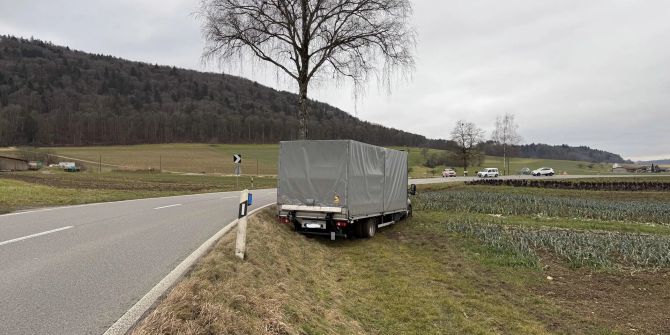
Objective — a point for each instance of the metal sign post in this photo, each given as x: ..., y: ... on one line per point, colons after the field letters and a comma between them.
x: 237, y: 159
x: 241, y: 242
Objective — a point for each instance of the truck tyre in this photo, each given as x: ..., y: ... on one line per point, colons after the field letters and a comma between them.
x: 370, y: 228
x: 358, y: 229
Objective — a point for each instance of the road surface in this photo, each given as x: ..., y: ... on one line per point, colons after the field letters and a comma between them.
x: 76, y: 270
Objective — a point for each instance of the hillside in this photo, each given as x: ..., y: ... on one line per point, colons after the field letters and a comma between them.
x: 562, y: 152
x: 54, y: 96
x: 51, y: 95
x: 658, y: 161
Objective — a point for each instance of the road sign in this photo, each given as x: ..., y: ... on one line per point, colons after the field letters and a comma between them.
x: 237, y: 158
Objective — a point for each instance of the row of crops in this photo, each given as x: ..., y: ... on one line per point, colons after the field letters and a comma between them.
x: 544, y: 205
x: 656, y: 186
x: 579, y: 248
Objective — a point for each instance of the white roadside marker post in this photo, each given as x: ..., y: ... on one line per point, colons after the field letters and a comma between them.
x: 241, y: 242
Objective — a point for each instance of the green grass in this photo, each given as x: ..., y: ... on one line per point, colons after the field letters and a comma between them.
x: 258, y: 159
x: 15, y: 195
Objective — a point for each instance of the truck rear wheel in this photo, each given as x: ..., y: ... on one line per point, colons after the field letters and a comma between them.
x: 359, y: 227
x: 370, y: 228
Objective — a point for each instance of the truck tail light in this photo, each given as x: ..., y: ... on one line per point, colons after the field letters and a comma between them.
x: 284, y: 220
x: 341, y: 224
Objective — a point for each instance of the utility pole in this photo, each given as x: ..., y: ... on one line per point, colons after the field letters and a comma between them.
x: 160, y: 163
x: 99, y: 163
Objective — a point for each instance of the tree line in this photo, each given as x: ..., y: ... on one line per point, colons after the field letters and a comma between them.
x: 51, y: 95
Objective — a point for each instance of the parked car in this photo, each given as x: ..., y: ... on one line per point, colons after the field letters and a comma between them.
x: 544, y: 171
x: 448, y: 173
x: 488, y: 172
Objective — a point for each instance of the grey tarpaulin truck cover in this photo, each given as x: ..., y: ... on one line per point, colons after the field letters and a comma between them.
x: 358, y: 179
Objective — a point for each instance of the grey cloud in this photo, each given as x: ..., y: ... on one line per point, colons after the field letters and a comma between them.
x: 591, y: 73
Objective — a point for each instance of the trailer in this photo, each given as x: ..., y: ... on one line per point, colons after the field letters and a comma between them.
x: 341, y: 188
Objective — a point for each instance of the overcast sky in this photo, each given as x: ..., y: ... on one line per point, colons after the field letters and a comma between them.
x: 593, y: 73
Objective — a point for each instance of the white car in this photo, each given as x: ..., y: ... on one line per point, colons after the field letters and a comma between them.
x: 488, y: 172
x: 544, y: 171
x: 448, y: 173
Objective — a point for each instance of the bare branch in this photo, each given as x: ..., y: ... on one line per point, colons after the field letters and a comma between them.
x: 344, y: 38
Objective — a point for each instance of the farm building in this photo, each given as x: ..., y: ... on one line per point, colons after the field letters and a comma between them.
x: 631, y: 168
x: 12, y: 164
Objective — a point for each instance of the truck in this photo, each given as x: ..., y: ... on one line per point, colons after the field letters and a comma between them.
x: 341, y: 188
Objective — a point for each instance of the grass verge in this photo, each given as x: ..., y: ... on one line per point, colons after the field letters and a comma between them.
x: 17, y: 195
x: 412, y: 278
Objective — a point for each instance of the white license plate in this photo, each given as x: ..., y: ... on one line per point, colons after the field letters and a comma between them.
x: 314, y: 224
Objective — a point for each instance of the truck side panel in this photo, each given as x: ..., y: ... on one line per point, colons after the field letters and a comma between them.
x: 313, y: 173
x: 366, y: 179
x: 395, y: 181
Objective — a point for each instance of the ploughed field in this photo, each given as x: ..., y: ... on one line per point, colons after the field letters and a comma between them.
x: 600, y: 250
x: 659, y: 183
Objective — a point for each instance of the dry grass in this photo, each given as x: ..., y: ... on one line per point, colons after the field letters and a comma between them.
x: 279, y: 289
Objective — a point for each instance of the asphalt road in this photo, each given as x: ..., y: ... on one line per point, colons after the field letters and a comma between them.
x: 76, y: 270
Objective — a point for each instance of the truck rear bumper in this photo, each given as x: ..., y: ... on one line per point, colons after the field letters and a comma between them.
x: 321, y: 232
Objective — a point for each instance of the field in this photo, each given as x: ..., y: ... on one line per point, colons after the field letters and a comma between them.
x: 473, y: 259
x: 193, y: 158
x: 259, y: 159
x: 25, y: 190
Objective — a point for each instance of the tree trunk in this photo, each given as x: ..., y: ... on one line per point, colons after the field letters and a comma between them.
x: 505, y: 165
x: 465, y: 160
x: 302, y: 111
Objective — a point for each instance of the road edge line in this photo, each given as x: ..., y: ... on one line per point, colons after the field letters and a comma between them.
x: 128, y: 320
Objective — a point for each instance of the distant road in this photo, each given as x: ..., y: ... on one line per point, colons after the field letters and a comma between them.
x: 437, y: 180
x: 77, y: 269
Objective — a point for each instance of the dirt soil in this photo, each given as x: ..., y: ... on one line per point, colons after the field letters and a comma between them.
x: 624, y: 301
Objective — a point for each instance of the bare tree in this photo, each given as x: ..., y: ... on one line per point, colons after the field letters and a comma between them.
x: 467, y: 135
x: 506, y: 135
x: 347, y: 39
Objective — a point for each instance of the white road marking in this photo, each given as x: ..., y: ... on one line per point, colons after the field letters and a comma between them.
x: 135, y: 313
x: 34, y: 235
x: 168, y: 206
x: 228, y: 198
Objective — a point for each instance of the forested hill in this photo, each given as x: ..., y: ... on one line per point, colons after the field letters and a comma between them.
x: 564, y: 152
x: 51, y: 95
